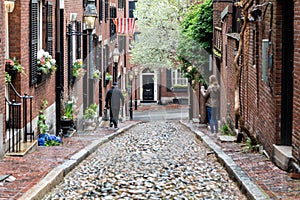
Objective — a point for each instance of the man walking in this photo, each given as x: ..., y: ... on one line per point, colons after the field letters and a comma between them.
x: 113, y: 100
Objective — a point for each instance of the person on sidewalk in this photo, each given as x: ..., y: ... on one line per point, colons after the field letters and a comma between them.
x: 113, y: 100
x: 212, y: 95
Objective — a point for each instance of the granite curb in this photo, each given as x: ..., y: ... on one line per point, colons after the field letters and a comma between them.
x: 246, y: 184
x: 56, y: 175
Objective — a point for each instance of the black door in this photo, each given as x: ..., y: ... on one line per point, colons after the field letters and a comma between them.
x: 287, y: 72
x: 148, y: 87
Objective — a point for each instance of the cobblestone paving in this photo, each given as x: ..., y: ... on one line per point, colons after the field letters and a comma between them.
x: 155, y: 160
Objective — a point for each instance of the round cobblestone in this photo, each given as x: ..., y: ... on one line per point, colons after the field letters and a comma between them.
x: 155, y: 160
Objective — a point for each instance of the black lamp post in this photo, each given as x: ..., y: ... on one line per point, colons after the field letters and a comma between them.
x: 136, y: 72
x: 116, y: 57
x: 130, y: 76
x: 89, y: 18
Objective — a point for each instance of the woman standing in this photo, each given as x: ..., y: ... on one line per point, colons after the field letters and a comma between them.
x: 212, y: 102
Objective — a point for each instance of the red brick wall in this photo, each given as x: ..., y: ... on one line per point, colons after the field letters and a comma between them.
x: 2, y: 77
x: 296, y: 105
x: 260, y: 101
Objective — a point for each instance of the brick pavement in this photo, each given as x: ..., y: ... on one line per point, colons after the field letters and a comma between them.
x: 275, y: 182
x: 33, y: 167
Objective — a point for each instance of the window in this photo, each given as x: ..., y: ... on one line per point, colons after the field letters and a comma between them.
x: 113, y: 14
x: 131, y: 8
x: 121, y: 4
x: 178, y: 79
x: 41, y: 34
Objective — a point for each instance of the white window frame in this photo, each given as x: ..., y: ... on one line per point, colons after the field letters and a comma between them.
x: 177, y: 78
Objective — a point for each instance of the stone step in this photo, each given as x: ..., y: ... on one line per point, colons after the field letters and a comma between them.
x: 282, y: 156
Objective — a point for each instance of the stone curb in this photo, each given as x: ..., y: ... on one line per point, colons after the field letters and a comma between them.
x: 55, y: 176
x: 247, y: 186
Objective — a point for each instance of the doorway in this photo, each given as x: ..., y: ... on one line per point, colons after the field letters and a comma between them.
x: 287, y: 72
x: 148, y: 88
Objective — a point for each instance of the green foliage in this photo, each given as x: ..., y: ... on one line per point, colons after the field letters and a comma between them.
x: 14, y: 65
x: 43, y: 127
x: 68, y: 111
x: 52, y: 143
x: 90, y: 112
x: 198, y: 24
x: 226, y: 130
x: 7, y: 78
x: 195, y: 44
x: 250, y: 147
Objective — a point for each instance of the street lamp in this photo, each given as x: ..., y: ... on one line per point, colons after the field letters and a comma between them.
x: 136, y: 72
x: 116, y: 57
x: 130, y: 76
x: 90, y: 15
x: 9, y: 5
x: 89, y: 18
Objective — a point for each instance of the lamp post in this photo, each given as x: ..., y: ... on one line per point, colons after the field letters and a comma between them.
x: 130, y: 76
x: 116, y: 57
x: 136, y: 72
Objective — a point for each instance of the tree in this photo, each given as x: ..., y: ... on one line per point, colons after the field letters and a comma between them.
x: 158, y: 23
x: 196, y: 41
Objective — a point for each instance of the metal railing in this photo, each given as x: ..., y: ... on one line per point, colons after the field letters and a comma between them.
x: 16, y: 122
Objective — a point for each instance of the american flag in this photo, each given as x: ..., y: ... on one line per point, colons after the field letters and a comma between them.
x: 124, y: 26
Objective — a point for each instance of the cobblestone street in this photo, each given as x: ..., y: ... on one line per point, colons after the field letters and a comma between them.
x: 155, y: 160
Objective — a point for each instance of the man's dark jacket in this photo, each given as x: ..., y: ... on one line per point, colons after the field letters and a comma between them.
x: 113, y: 98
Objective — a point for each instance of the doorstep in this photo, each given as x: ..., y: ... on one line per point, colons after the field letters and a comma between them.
x: 26, y: 147
x: 282, y: 156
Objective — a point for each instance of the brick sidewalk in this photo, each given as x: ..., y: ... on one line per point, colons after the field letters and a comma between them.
x: 274, y: 181
x: 31, y: 168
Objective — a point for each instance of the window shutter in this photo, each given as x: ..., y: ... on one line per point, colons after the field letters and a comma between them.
x: 169, y: 79
x: 33, y: 41
x: 49, y: 28
x: 78, y: 40
x: 106, y: 10
x: 100, y: 10
x: 70, y: 57
x: 113, y: 14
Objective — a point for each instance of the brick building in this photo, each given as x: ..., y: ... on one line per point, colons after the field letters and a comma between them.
x: 268, y: 79
x: 59, y: 28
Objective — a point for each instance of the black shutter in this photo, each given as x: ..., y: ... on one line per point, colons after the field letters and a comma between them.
x: 78, y: 40
x: 33, y: 41
x: 100, y: 10
x: 113, y: 14
x: 70, y: 53
x: 106, y: 10
x: 49, y: 28
x: 169, y: 79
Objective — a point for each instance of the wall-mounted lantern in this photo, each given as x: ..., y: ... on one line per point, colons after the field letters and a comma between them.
x: 9, y: 5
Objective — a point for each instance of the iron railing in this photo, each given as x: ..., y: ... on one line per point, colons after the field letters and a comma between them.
x: 16, y: 122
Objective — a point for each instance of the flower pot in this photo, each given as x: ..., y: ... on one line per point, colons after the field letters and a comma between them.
x: 66, y: 125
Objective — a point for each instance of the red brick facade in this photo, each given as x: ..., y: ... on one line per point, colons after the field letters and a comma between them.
x: 263, y: 99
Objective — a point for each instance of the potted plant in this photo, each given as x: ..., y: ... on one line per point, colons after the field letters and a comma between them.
x: 89, y: 117
x: 77, y: 69
x: 96, y: 74
x: 12, y: 66
x: 46, y: 64
x: 67, y: 119
x: 108, y: 77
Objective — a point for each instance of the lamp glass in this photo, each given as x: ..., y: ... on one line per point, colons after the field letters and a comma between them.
x: 89, y: 16
x: 136, y: 70
x: 9, y: 6
x: 116, y: 55
x: 89, y: 22
x: 131, y: 75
